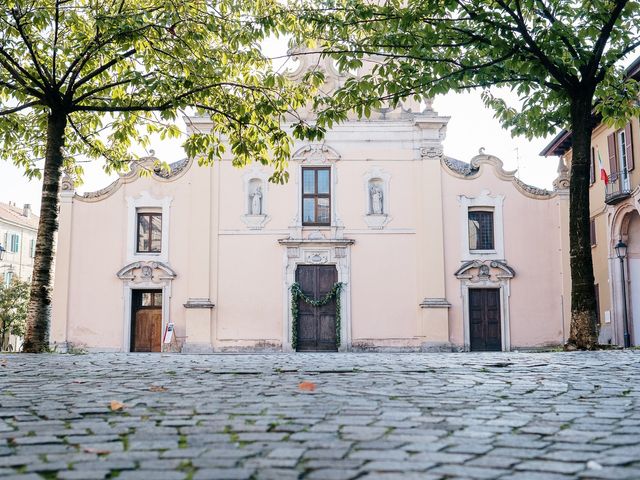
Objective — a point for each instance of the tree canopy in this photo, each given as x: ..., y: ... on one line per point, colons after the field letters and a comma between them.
x: 91, y: 78
x: 547, y: 51
x: 562, y: 58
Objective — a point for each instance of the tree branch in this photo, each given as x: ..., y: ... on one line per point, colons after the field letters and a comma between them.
x: 24, y: 106
x: 567, y: 80
x: 603, y: 38
x: 103, y: 68
x: 44, y: 75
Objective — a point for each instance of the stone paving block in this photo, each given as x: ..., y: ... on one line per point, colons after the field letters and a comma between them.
x: 379, y: 454
x: 397, y: 466
x: 611, y: 473
x: 223, y: 474
x: 83, y: 474
x: 332, y: 474
x: 468, y: 472
x: 400, y: 476
x: 536, y: 476
x: 23, y: 476
x: 551, y: 466
x: 152, y: 474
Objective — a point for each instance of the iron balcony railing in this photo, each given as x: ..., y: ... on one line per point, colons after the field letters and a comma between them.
x: 618, y: 188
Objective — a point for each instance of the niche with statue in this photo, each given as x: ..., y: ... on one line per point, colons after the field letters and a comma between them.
x: 377, y: 199
x: 255, y: 192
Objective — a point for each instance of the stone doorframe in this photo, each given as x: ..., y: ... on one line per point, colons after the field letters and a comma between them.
x: 486, y: 274
x: 317, y: 252
x: 144, y: 276
x: 619, y: 218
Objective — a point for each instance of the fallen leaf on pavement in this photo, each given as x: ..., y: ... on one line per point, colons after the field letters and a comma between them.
x: 157, y: 388
x: 307, y: 386
x: 96, y: 451
x: 116, y: 406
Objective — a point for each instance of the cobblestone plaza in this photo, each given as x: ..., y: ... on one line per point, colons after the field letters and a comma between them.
x: 320, y: 416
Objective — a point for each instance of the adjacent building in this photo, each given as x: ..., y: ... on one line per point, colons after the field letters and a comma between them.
x: 397, y: 245
x: 18, y: 231
x: 615, y: 222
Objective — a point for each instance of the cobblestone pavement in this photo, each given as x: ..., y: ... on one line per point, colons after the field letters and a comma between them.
x: 425, y: 416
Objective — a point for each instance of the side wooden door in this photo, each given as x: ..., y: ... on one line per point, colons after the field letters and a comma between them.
x: 147, y: 321
x: 484, y: 320
x: 317, y: 325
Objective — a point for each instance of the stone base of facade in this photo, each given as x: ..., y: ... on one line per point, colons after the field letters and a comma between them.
x: 259, y: 347
x: 189, y: 347
x: 437, y: 347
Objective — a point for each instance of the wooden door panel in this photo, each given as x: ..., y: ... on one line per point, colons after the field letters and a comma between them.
x: 316, y: 325
x: 485, y: 329
x: 148, y: 330
x: 306, y: 331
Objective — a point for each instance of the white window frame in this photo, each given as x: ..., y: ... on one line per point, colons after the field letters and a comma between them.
x: 316, y: 155
x: 484, y: 201
x: 141, y: 204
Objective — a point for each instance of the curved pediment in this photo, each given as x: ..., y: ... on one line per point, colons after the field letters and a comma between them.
x: 316, y: 153
x: 485, y: 269
x: 146, y: 271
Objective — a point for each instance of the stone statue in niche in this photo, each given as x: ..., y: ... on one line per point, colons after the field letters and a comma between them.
x: 256, y: 201
x: 375, y: 193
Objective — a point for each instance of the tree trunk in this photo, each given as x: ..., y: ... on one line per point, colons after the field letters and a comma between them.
x: 39, y: 309
x: 583, y: 301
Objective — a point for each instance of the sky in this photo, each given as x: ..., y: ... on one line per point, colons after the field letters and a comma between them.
x: 471, y: 127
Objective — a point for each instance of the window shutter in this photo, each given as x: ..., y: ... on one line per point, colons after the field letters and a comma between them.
x: 592, y: 169
x: 628, y: 146
x: 613, y: 160
x: 592, y: 232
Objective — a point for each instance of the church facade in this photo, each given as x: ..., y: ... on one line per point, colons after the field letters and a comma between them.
x: 379, y: 241
x: 429, y: 252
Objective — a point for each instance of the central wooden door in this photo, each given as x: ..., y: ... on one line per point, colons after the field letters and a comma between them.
x: 316, y: 325
x: 146, y: 328
x: 484, y: 319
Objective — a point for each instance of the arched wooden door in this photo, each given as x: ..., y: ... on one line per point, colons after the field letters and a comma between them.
x: 317, y: 325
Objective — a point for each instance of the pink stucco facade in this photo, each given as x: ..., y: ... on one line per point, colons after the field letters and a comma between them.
x: 226, y: 266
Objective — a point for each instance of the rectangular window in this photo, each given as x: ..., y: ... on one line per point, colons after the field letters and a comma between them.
x: 592, y: 232
x: 149, y: 236
x: 15, y: 243
x: 8, y: 276
x: 481, y: 230
x: 620, y: 146
x: 32, y: 248
x: 316, y: 196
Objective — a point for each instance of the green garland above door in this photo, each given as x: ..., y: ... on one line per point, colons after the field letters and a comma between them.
x: 298, y: 294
